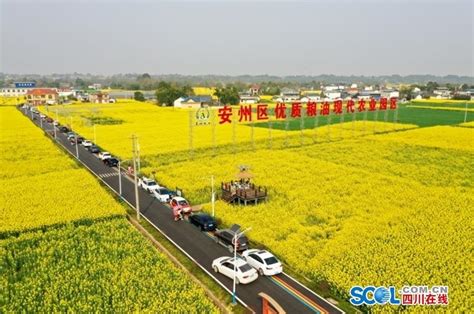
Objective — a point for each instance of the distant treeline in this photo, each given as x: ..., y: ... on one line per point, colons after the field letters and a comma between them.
x: 151, y: 82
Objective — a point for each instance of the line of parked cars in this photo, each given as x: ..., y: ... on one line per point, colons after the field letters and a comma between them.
x: 247, y: 266
x: 74, y: 139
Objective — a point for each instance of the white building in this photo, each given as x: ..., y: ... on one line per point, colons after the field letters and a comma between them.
x: 288, y: 94
x: 246, y: 99
x: 332, y: 95
x: 442, y: 93
x: 66, y: 92
x: 197, y: 101
x: 13, y: 92
x: 390, y: 93
x: 178, y: 102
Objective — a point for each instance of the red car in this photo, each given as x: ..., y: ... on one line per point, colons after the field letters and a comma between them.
x: 180, y: 204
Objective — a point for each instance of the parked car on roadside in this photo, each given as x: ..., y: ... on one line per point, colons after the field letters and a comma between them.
x: 64, y: 129
x: 263, y: 261
x: 226, y: 237
x: 104, y: 155
x: 162, y: 194
x: 93, y: 149
x: 86, y: 143
x: 148, y: 184
x: 203, y: 221
x: 70, y: 135
x: 111, y: 162
x: 55, y: 123
x: 180, y: 203
x: 244, y: 273
x: 49, y: 120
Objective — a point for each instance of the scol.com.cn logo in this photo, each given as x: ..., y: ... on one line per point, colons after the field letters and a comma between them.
x: 408, y: 295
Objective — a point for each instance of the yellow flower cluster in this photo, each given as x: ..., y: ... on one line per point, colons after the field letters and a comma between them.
x: 106, y: 267
x: 348, y: 207
x: 40, y: 185
x: 73, y: 265
x: 442, y: 108
x: 163, y: 130
x: 376, y: 211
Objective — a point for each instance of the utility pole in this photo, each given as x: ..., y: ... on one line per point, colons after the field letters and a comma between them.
x: 137, y: 203
x: 236, y: 238
x: 138, y: 156
x: 120, y: 179
x: 213, y: 196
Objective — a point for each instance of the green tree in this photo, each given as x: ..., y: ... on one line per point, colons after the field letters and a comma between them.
x: 138, y: 96
x: 228, y: 95
x: 167, y: 93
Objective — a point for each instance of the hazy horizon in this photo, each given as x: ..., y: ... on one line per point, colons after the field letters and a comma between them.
x: 275, y: 38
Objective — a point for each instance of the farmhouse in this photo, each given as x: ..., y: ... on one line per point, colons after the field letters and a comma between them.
x: 247, y: 99
x: 99, y: 98
x: 193, y: 101
x: 42, y: 96
x: 390, y: 93
x: 288, y: 94
x: 13, y: 92
x: 254, y: 90
x: 442, y: 93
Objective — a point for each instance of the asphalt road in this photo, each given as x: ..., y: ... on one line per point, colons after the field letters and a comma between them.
x: 200, y: 247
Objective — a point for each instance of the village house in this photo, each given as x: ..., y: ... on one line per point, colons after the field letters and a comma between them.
x: 288, y: 94
x: 254, y: 90
x: 442, y: 93
x: 248, y: 99
x: 193, y: 101
x: 42, y: 96
x: 99, y: 98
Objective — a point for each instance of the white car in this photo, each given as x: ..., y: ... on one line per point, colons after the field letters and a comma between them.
x: 162, y: 194
x: 263, y: 261
x: 225, y: 265
x: 55, y: 123
x: 147, y: 184
x: 86, y: 143
x: 104, y: 155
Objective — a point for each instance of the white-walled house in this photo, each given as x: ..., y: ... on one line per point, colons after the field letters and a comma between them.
x: 178, y: 102
x: 193, y: 101
x: 332, y: 95
x: 247, y: 99
x: 13, y: 92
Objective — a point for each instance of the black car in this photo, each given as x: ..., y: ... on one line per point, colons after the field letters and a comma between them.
x: 93, y: 149
x: 111, y: 162
x: 63, y: 129
x: 226, y: 237
x: 204, y: 221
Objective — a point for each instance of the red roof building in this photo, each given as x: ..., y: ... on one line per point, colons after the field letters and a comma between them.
x: 42, y: 96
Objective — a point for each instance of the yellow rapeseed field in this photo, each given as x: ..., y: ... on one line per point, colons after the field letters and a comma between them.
x: 40, y: 185
x: 52, y: 259
x: 348, y: 207
x: 105, y: 267
x: 386, y: 210
x: 441, y: 108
